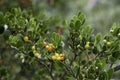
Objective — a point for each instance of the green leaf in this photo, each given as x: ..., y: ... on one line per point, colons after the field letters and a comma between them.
x: 81, y: 17
x: 3, y: 71
x: 32, y: 22
x: 70, y: 78
x: 114, y: 26
x: 40, y: 43
x: 97, y: 39
x: 72, y: 24
x: 88, y: 29
x: 115, y: 29
x: 77, y: 25
x: 56, y: 39
x: 16, y: 11
x: 16, y: 40
x: 91, y: 72
x: 110, y: 73
x: 100, y: 64
x: 103, y: 76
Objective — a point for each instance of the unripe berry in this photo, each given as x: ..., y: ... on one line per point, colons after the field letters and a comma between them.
x: 33, y: 48
x: 108, y: 43
x: 37, y: 55
x: 87, y: 46
x: 105, y: 41
x: 26, y: 39
x: 88, y: 43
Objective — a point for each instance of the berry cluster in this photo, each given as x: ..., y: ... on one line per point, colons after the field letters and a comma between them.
x: 60, y: 57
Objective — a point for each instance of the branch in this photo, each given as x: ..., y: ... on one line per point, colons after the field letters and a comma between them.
x: 117, y: 68
x: 47, y: 68
x: 71, y: 62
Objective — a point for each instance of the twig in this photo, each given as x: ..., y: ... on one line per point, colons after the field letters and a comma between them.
x: 47, y: 68
x: 16, y: 49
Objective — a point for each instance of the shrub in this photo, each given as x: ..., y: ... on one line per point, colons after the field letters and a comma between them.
x: 37, y: 53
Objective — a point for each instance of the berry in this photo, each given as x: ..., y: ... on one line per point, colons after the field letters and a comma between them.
x: 45, y: 44
x: 50, y: 47
x: 33, y: 48
x: 58, y: 58
x: 88, y: 42
x: 105, y: 41
x: 62, y: 55
x: 108, y: 43
x: 87, y: 46
x: 26, y: 39
x: 63, y: 58
x: 37, y: 55
x: 54, y: 57
x: 56, y: 54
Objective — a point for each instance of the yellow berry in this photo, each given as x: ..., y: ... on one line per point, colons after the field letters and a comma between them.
x: 62, y: 55
x: 33, y: 47
x: 37, y: 55
x: 105, y: 41
x: 26, y: 39
x: 58, y: 58
x: 108, y: 43
x: 56, y: 54
x: 54, y: 57
x: 87, y: 46
x: 47, y: 46
x: 88, y: 43
x: 50, y: 47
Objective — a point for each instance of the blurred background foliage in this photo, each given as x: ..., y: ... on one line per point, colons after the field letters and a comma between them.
x: 100, y: 14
